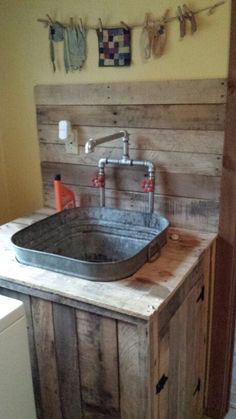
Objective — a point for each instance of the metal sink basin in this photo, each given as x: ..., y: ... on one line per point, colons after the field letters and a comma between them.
x: 99, y: 244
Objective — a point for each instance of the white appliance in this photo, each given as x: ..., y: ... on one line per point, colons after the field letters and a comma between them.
x: 16, y: 391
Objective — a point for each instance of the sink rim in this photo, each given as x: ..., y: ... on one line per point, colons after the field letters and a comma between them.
x: 34, y: 257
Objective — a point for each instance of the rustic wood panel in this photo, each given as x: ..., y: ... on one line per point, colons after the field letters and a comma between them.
x: 201, y: 117
x: 224, y: 302
x: 183, y: 352
x: 186, y: 141
x: 163, y: 369
x: 133, y: 372
x: 177, y: 125
x: 98, y: 357
x: 188, y: 212
x: 154, y: 365
x: 196, y: 350
x: 168, y: 310
x: 162, y: 92
x: 46, y: 355
x: 67, y: 361
x: 149, y: 287
x: 129, y: 179
x: 201, y: 164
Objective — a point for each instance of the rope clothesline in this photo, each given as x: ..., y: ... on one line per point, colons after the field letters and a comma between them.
x: 210, y: 10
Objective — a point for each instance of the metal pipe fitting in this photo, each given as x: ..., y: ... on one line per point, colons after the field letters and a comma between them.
x: 124, y: 161
x: 92, y: 143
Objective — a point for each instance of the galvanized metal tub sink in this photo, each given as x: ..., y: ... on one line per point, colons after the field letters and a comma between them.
x: 98, y: 244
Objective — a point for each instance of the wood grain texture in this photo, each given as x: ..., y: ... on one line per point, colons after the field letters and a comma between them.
x: 163, y: 370
x: 162, y: 92
x: 182, y: 352
x: 46, y: 355
x: 188, y: 212
x: 133, y: 372
x: 129, y: 179
x: 177, y: 125
x: 189, y: 117
x: 154, y: 365
x: 98, y: 357
x: 224, y: 300
x: 137, y: 297
x: 201, y: 164
x: 187, y: 141
x: 67, y: 361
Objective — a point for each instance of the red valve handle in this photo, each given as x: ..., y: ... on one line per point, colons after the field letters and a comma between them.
x: 148, y: 185
x: 98, y: 181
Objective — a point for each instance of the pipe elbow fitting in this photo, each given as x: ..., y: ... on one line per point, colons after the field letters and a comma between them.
x: 90, y: 145
x: 102, y: 163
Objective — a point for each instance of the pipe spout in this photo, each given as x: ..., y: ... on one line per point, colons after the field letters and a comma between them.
x: 92, y: 143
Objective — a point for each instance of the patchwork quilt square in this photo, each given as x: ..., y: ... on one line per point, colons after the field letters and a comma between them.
x: 114, y: 47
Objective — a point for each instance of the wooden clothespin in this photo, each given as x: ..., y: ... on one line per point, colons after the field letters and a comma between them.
x: 190, y: 16
x: 146, y: 19
x: 160, y: 36
x: 50, y: 19
x: 81, y: 27
x: 182, y: 23
x: 71, y: 22
x: 125, y: 25
x: 100, y: 24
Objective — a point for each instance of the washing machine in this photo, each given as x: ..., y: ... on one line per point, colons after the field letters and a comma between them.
x: 16, y: 390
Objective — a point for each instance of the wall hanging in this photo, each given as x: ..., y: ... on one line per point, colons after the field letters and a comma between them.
x: 114, y: 46
x: 114, y: 42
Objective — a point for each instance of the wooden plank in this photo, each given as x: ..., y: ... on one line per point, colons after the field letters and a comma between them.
x: 210, y: 316
x: 195, y: 351
x: 68, y: 301
x: 163, y: 370
x: 199, y: 117
x: 98, y: 358
x: 170, y: 307
x: 129, y: 179
x: 181, y: 212
x: 154, y: 365
x: 184, y: 365
x: 45, y: 348
x: 224, y: 303
x: 137, y: 297
x: 187, y: 141
x: 67, y: 361
x: 133, y: 372
x: 155, y: 92
x: 176, y: 335
x: 201, y: 164
x: 26, y: 299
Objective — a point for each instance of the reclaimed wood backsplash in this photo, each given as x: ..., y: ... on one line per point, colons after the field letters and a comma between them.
x: 178, y: 125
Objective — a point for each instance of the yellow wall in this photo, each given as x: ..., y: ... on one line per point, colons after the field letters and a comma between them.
x: 24, y: 46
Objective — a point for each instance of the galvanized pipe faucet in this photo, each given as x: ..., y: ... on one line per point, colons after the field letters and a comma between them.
x: 148, y: 185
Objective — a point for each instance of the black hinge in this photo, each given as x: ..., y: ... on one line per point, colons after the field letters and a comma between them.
x: 161, y: 383
x: 201, y: 295
x: 198, y: 387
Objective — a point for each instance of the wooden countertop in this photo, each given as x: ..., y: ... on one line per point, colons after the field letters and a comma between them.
x: 139, y: 295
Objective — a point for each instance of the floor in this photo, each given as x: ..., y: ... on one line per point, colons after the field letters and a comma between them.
x: 231, y: 414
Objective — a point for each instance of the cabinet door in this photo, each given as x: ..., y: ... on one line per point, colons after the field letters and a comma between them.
x: 182, y: 359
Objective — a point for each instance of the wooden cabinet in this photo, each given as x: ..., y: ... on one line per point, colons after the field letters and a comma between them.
x: 88, y: 365
x: 129, y: 349
x: 182, y: 357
